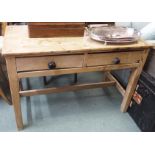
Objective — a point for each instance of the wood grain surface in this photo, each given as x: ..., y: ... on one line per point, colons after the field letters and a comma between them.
x: 17, y: 42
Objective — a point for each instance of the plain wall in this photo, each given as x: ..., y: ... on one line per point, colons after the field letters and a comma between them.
x: 136, y: 25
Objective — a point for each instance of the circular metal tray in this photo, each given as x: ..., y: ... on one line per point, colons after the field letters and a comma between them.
x: 114, y: 34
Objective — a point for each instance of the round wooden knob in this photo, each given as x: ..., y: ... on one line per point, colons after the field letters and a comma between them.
x: 116, y: 61
x: 52, y: 65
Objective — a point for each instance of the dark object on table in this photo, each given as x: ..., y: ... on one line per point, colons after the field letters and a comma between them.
x: 143, y: 113
x: 56, y: 29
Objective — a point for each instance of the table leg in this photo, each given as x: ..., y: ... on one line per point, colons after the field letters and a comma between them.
x: 45, y: 80
x: 14, y: 88
x: 132, y: 84
x: 75, y: 78
x: 130, y: 90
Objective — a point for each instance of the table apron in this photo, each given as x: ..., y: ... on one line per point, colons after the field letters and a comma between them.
x: 75, y: 70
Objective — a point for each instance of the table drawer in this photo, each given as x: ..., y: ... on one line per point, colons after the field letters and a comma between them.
x: 49, y: 62
x: 100, y: 59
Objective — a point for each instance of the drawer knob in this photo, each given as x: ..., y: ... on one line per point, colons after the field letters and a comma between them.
x: 116, y: 61
x: 52, y: 65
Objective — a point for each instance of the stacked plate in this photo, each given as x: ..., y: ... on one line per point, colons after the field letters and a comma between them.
x: 114, y: 34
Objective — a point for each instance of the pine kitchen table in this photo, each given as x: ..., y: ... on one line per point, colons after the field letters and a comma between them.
x: 33, y: 57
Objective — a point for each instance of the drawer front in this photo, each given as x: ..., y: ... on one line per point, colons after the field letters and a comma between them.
x: 113, y: 58
x: 42, y: 63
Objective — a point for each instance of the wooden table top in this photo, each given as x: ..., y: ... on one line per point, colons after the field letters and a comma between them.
x: 18, y: 43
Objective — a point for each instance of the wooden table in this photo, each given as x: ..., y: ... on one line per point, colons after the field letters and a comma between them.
x: 33, y: 57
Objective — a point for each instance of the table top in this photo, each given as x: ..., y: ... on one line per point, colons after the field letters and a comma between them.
x: 18, y: 43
